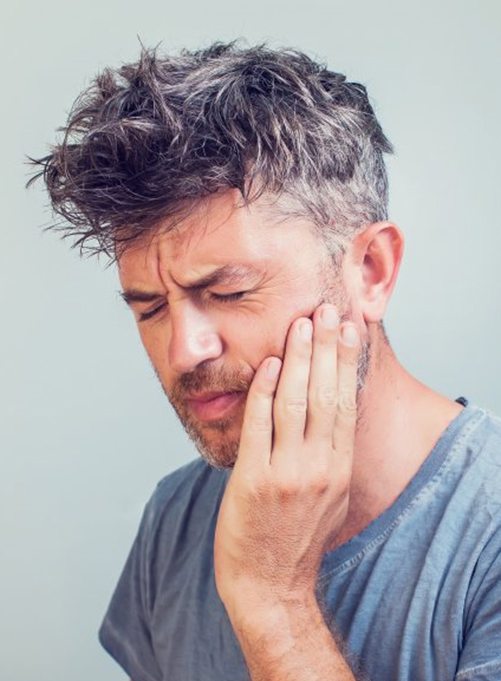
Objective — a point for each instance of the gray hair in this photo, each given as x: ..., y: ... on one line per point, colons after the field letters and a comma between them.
x: 150, y: 140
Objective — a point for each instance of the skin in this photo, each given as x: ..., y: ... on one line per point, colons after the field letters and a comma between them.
x: 319, y: 450
x: 197, y: 343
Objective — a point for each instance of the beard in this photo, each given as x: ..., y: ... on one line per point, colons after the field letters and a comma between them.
x: 217, y: 441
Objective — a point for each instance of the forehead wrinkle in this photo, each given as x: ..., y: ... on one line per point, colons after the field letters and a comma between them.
x: 205, y: 220
x: 172, y: 251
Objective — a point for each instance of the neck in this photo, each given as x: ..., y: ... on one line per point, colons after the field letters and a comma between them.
x: 399, y: 421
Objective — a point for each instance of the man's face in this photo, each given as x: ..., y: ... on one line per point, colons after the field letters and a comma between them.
x: 205, y: 334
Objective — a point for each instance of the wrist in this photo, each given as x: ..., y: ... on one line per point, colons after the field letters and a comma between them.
x: 273, y: 614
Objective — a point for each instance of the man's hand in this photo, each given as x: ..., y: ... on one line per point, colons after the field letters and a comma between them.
x: 287, y: 497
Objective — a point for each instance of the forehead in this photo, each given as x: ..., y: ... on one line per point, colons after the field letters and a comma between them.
x: 219, y: 231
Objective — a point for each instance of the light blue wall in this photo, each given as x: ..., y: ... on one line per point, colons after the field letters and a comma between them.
x: 85, y: 430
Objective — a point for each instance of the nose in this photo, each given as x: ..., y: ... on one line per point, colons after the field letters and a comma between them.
x: 193, y: 338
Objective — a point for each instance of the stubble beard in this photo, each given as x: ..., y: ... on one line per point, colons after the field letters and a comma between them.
x: 215, y: 442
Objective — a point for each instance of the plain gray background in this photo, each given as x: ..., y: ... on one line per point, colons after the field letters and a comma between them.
x: 85, y: 430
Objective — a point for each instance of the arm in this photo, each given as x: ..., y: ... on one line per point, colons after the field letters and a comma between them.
x: 292, y: 642
x: 285, y: 502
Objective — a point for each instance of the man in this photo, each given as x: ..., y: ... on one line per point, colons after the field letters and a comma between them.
x: 344, y: 520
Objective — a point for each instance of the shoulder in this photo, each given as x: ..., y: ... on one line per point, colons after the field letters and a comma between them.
x: 195, y: 477
x: 483, y: 455
x: 479, y: 458
x: 184, y: 501
x: 486, y: 423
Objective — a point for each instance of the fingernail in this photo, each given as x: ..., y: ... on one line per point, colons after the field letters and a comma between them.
x: 349, y: 335
x: 330, y: 317
x: 273, y: 368
x: 306, y: 330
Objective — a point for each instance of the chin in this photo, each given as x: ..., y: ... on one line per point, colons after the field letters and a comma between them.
x: 217, y: 445
x: 221, y: 458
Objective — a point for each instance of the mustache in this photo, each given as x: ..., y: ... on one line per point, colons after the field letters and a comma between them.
x: 209, y: 378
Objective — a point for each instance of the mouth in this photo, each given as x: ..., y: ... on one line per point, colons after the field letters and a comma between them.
x: 209, y: 406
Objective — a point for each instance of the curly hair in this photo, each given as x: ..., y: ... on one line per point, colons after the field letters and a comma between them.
x: 148, y: 141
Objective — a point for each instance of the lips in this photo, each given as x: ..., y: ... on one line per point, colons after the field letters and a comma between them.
x: 205, y: 397
x: 213, y: 405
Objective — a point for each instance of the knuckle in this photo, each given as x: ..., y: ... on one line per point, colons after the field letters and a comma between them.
x: 287, y: 482
x: 325, y: 397
x: 288, y: 488
x: 315, y: 482
x: 258, y: 488
x: 344, y: 487
x: 259, y: 423
x: 294, y: 406
x: 347, y: 403
x: 320, y: 482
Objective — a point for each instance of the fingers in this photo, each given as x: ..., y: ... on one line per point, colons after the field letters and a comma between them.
x: 323, y: 388
x: 346, y: 413
x: 315, y: 400
x: 291, y: 399
x: 257, y: 428
x: 309, y: 397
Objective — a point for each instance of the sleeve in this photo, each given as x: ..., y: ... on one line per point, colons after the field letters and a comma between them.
x: 124, y: 632
x: 480, y: 658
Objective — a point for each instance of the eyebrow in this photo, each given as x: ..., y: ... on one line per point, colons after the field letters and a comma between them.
x: 229, y: 274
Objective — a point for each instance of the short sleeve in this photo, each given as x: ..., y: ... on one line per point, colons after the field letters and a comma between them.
x: 125, y: 632
x: 480, y: 659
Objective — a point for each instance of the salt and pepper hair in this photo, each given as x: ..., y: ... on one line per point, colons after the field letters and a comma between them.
x: 147, y: 142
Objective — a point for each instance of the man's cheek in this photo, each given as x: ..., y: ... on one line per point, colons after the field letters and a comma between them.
x: 277, y: 346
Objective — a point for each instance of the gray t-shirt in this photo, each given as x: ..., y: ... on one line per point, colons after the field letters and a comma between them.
x: 416, y: 596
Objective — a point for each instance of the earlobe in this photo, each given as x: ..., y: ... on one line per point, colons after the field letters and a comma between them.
x: 378, y: 253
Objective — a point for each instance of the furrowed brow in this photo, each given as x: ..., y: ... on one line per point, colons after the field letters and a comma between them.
x: 228, y: 274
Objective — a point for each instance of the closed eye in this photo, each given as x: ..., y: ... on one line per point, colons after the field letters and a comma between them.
x: 217, y: 297
x: 227, y: 297
x: 151, y: 313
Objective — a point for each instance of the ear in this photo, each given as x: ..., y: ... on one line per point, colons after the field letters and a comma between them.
x: 376, y: 255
